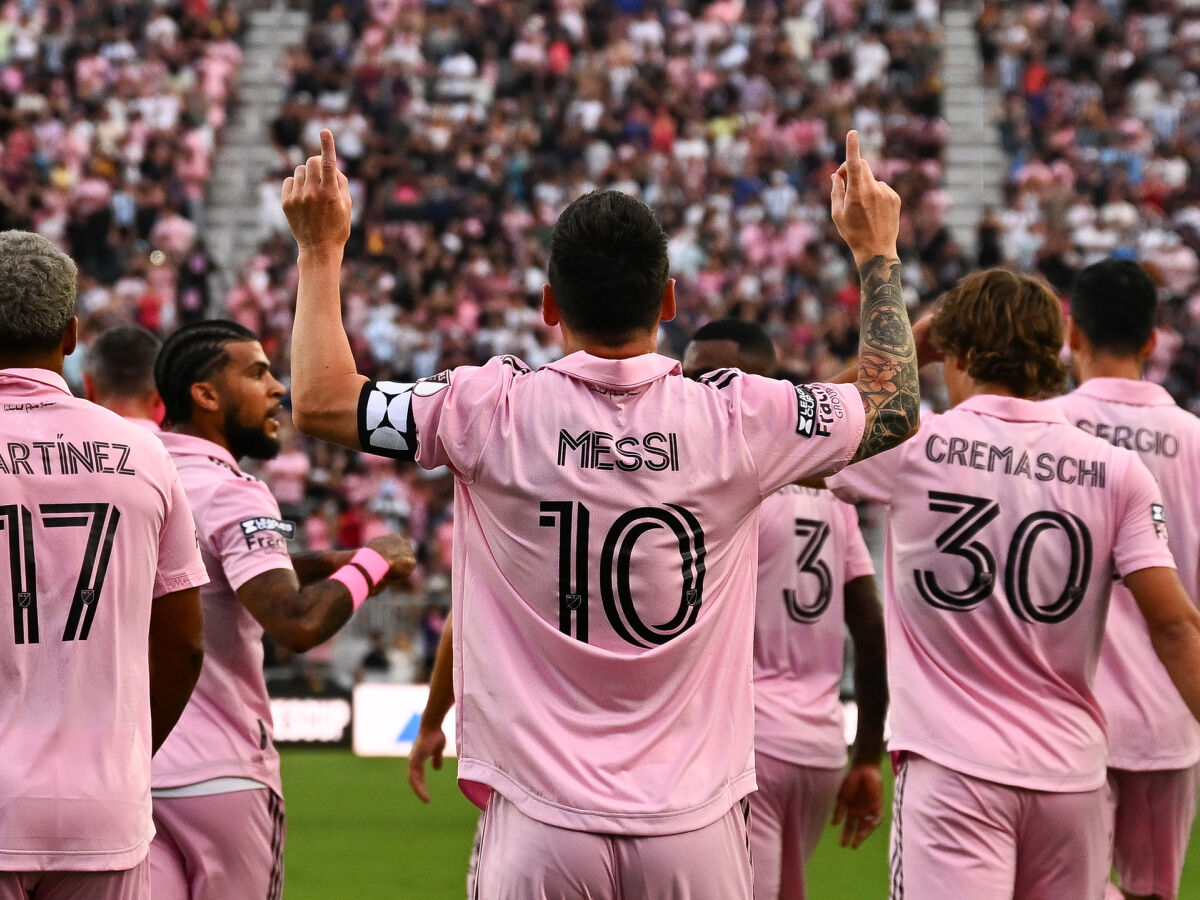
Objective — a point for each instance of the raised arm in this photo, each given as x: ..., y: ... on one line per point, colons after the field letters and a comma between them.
x: 325, y: 380
x: 300, y: 617
x: 867, y: 215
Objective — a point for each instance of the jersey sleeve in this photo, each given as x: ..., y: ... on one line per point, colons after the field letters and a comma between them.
x: 1141, y: 539
x: 180, y: 565
x: 443, y: 420
x: 245, y: 531
x: 858, y: 558
x: 869, y: 480
x: 794, y: 431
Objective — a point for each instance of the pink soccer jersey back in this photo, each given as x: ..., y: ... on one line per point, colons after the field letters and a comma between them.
x: 95, y: 525
x: 1149, y: 727
x: 226, y: 728
x: 809, y: 546
x: 1007, y: 524
x: 604, y: 547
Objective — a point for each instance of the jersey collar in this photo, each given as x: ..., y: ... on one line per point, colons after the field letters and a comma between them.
x: 1013, y: 409
x: 43, y: 377
x: 632, y: 372
x: 1126, y: 390
x: 190, y: 445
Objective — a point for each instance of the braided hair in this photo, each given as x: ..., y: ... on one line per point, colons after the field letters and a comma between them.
x: 192, y: 354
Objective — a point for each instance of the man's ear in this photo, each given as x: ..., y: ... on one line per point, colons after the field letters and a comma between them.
x: 1149, y: 347
x: 205, y: 396
x: 1074, y: 337
x: 70, y: 336
x: 668, y: 304
x: 549, y: 307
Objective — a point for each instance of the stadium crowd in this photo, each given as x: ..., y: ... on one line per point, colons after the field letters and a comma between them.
x: 1100, y: 120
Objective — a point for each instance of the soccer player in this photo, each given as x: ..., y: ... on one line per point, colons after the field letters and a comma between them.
x: 218, y: 804
x: 118, y: 374
x: 605, y: 537
x: 1153, y: 744
x: 103, y: 643
x: 814, y: 574
x: 1007, y: 527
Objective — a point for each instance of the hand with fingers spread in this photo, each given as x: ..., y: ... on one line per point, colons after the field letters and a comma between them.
x: 859, y: 804
x: 866, y: 211
x: 316, y: 201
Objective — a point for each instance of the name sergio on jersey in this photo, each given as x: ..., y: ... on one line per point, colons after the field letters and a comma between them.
x: 656, y: 451
x: 987, y: 457
x: 1143, y: 440
x: 65, y: 458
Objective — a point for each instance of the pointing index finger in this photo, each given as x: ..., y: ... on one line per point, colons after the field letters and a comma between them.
x: 328, y: 152
x: 853, y: 157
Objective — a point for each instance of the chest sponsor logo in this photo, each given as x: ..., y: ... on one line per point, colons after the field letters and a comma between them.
x: 268, y: 533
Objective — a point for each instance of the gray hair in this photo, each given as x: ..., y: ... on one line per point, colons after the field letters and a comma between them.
x: 37, y: 292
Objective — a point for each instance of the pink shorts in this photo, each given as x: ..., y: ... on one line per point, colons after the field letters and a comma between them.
x: 788, y: 812
x: 956, y: 836
x: 218, y: 847
x: 130, y: 884
x: 1154, y: 812
x: 524, y: 859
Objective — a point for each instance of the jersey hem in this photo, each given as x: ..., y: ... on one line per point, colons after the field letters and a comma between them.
x: 633, y: 824
x: 74, y: 861
x: 1145, y: 763
x: 177, y: 778
x: 1053, y: 784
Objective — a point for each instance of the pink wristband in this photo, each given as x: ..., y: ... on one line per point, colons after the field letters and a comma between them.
x: 355, y: 582
x: 373, y: 564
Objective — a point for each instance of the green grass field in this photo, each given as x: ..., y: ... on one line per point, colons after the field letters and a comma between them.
x: 356, y: 832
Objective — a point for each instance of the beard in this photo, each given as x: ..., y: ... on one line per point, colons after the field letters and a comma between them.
x: 252, y: 442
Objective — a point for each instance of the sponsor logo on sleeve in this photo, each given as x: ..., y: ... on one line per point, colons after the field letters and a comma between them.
x: 1158, y: 516
x: 268, y: 533
x: 806, y: 411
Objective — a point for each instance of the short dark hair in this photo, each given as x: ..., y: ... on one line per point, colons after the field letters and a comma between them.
x: 608, y: 266
x: 121, y: 361
x: 192, y: 354
x: 1115, y: 305
x: 751, y: 339
x: 1007, y: 328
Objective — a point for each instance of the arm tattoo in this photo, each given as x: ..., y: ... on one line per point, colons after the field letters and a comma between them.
x: 887, y: 359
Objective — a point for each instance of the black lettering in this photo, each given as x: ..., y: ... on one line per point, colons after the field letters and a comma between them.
x: 20, y: 455
x: 628, y: 454
x: 598, y: 448
x: 664, y: 457
x: 1122, y: 435
x: 44, y: 446
x: 1045, y: 467
x: 1091, y: 473
x: 80, y: 457
x: 995, y: 454
x: 978, y: 449
x: 123, y: 469
x: 1062, y: 476
x: 583, y: 443
x: 1103, y: 431
x: 958, y: 450
x: 1023, y: 465
x: 101, y: 450
x: 1085, y: 425
x: 931, y: 454
x: 1170, y: 445
x: 674, y: 441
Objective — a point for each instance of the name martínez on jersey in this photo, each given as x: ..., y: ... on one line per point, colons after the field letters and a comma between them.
x: 61, y: 457
x: 987, y: 457
x: 656, y: 451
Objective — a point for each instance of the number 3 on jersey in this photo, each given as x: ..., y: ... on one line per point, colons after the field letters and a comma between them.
x: 101, y: 521
x: 973, y: 515
x: 616, y: 557
x: 814, y: 533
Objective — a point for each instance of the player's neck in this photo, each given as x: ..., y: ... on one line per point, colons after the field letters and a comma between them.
x: 201, y: 430
x: 128, y: 407
x: 638, y: 346
x: 1105, y: 365
x: 15, y: 360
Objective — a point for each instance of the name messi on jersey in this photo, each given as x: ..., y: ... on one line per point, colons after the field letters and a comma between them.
x: 987, y: 457
x: 656, y: 451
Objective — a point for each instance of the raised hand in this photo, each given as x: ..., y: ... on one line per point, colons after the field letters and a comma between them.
x: 866, y: 211
x: 316, y: 201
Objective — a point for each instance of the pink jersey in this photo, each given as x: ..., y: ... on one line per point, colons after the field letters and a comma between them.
x: 1007, y: 525
x: 605, y: 539
x: 809, y: 546
x: 1149, y: 726
x: 226, y: 728
x: 96, y: 525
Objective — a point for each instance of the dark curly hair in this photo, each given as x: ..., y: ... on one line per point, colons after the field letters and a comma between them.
x: 1007, y: 328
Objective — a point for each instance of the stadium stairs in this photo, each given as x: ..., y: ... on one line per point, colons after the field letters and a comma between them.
x: 245, y: 156
x: 975, y: 165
